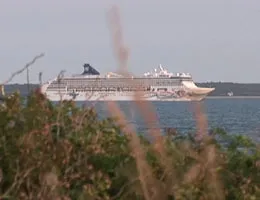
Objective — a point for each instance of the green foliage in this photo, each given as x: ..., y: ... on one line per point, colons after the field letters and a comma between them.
x: 60, y: 151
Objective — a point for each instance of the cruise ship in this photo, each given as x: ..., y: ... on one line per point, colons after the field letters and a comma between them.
x: 156, y: 85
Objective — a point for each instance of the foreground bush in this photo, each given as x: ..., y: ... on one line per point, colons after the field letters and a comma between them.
x: 64, y: 152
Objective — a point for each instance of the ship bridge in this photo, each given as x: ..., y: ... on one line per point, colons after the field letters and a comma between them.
x: 162, y: 72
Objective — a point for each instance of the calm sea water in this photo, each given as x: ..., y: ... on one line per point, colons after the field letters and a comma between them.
x: 236, y: 116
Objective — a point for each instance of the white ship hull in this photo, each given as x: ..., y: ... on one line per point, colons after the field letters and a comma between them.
x: 119, y: 96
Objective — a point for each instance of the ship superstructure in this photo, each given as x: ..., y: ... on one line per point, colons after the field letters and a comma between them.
x: 156, y: 85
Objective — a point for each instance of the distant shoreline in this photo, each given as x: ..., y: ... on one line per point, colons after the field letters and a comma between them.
x: 233, y: 97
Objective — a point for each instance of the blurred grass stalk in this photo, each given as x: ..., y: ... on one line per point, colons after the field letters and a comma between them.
x: 149, y: 115
x: 122, y: 53
x: 2, y: 90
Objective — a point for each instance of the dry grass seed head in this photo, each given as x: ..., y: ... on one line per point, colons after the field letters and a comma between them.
x: 145, y: 172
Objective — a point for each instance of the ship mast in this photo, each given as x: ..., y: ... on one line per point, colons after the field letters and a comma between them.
x: 40, y: 78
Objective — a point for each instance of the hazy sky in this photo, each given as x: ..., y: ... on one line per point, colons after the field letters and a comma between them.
x: 214, y: 40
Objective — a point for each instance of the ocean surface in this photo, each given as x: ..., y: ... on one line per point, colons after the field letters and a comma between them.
x: 235, y: 115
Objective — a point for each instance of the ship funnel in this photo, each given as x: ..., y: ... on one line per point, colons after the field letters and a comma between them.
x: 86, y: 67
x: 89, y: 70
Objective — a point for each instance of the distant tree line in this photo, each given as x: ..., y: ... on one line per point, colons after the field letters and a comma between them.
x: 238, y: 89
x: 22, y: 88
x: 222, y: 88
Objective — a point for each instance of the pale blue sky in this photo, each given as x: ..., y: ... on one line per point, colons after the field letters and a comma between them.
x: 214, y: 40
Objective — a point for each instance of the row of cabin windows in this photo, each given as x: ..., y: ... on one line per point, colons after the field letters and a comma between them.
x: 119, y: 89
x: 110, y: 89
x: 126, y: 79
x: 71, y: 82
x: 56, y: 86
x: 78, y: 84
